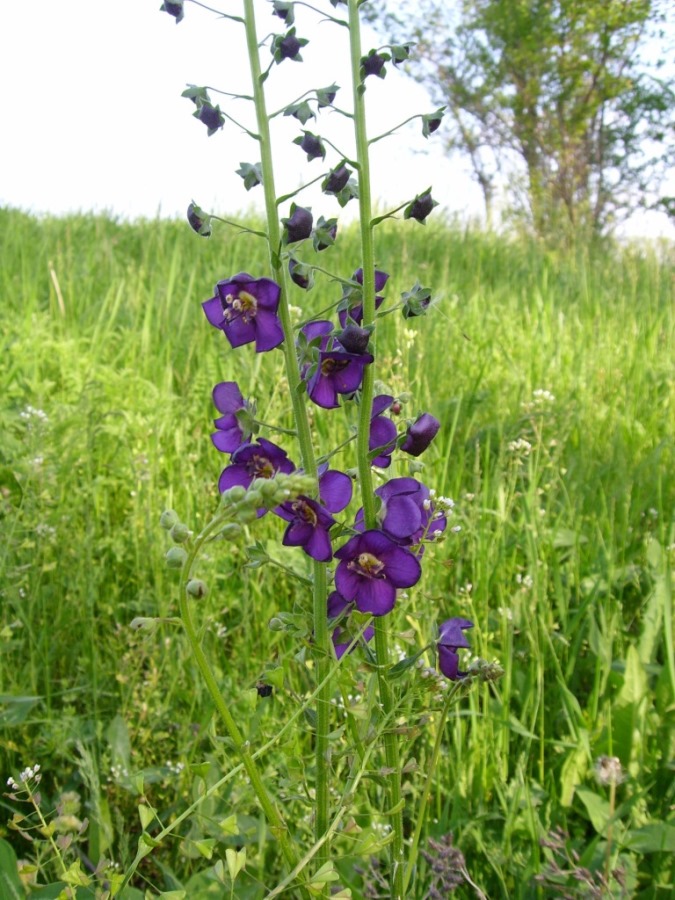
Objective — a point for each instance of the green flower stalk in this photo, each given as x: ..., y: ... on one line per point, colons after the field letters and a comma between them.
x: 321, y: 636
x: 365, y: 474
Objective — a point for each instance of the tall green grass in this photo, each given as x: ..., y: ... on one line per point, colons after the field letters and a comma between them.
x: 563, y: 559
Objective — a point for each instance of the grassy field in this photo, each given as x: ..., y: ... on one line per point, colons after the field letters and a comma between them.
x: 552, y: 376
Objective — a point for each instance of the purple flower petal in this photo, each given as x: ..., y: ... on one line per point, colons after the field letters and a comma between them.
x: 227, y: 397
x: 335, y: 490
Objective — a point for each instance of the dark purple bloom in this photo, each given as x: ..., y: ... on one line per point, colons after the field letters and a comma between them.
x: 381, y: 278
x: 245, y: 308
x: 451, y: 637
x: 324, y: 233
x: 373, y: 64
x: 287, y: 46
x: 420, y: 434
x: 407, y: 514
x: 211, y: 116
x: 383, y: 432
x: 310, y: 521
x: 301, y: 274
x: 312, y: 145
x: 420, y: 207
x: 261, y: 459
x: 336, y: 180
x: 228, y: 400
x: 173, y: 8
x: 299, y: 225
x: 342, y: 640
x: 371, y: 569
x: 353, y: 338
x: 284, y: 10
x: 198, y: 220
x: 337, y: 372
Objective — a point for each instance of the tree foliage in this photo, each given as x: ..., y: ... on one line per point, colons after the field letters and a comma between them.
x: 562, y: 101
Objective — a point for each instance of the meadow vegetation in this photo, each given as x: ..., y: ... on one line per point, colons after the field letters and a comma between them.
x: 552, y: 376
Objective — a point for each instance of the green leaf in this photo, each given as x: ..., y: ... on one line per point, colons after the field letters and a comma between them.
x: 146, y: 815
x: 573, y: 772
x: 10, y: 883
x: 597, y: 807
x: 657, y: 837
x: 17, y: 709
x: 236, y: 860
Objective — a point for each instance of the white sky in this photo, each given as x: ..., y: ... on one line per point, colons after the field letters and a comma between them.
x: 93, y: 118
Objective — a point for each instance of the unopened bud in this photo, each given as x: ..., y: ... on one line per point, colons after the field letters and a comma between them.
x: 168, y: 519
x: 180, y: 533
x: 196, y: 588
x: 276, y: 624
x: 175, y: 557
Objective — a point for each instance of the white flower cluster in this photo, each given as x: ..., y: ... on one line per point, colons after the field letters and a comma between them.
x: 30, y: 413
x: 521, y: 447
x: 524, y: 580
x: 30, y: 773
x: 174, y: 768
x: 540, y: 399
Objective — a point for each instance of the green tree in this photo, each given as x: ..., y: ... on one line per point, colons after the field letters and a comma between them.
x: 561, y: 101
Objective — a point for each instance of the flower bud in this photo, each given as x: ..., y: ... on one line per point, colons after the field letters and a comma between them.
x: 198, y: 220
x: 287, y: 46
x: 324, y: 233
x: 284, y: 10
x: 254, y: 498
x: 179, y: 533
x: 276, y: 624
x: 168, y: 519
x: 420, y: 434
x: 173, y: 8
x: 299, y: 225
x: 373, y: 64
x: 196, y: 588
x: 176, y: 557
x: 211, y: 116
x: 312, y: 145
x: 144, y: 623
x: 301, y: 274
x: 420, y: 207
x: 354, y: 338
x: 336, y: 180
x: 233, y: 495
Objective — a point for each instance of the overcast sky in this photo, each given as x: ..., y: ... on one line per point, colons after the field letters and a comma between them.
x: 93, y: 118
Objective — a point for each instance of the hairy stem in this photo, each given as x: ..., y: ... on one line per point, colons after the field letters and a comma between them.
x: 321, y: 638
x: 365, y: 474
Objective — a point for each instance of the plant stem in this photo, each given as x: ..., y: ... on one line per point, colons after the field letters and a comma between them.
x: 424, y: 797
x: 363, y: 462
x: 276, y: 822
x: 321, y: 637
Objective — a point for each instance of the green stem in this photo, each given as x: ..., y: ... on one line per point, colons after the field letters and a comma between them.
x: 363, y: 461
x: 276, y: 822
x: 321, y: 637
x: 424, y: 797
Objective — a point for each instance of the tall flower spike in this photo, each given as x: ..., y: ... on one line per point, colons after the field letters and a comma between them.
x: 450, y: 639
x: 245, y: 308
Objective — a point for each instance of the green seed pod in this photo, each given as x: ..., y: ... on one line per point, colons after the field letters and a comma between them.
x: 180, y: 533
x: 175, y: 557
x: 276, y: 624
x: 234, y: 495
x: 254, y: 498
x: 168, y: 519
x: 196, y: 588
x: 246, y: 515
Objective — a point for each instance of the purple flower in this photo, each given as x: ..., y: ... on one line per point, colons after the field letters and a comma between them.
x: 245, y: 308
x: 198, y: 220
x: 312, y: 145
x: 299, y: 225
x: 211, y: 116
x: 420, y: 207
x: 373, y: 64
x: 420, y: 434
x: 336, y: 180
x: 301, y: 274
x: 287, y: 46
x: 261, y: 459
x: 450, y: 639
x: 371, y: 569
x: 228, y: 400
x: 407, y: 514
x: 381, y: 278
x: 383, y: 432
x: 310, y: 521
x: 173, y: 8
x: 353, y: 338
x: 337, y: 372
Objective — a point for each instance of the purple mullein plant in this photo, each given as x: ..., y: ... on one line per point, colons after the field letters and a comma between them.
x: 310, y: 520
x: 245, y: 308
x: 450, y: 639
x: 372, y: 568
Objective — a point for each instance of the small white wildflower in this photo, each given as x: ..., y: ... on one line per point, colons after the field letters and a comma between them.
x: 426, y: 504
x: 608, y: 770
x: 521, y: 446
x: 456, y: 529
